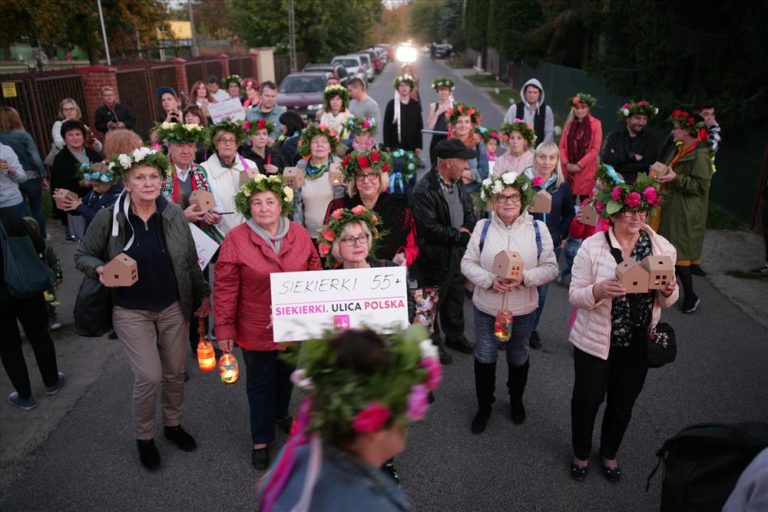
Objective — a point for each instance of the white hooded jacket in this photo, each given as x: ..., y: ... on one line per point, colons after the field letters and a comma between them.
x: 531, y: 111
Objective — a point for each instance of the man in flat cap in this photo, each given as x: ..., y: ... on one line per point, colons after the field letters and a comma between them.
x: 444, y: 222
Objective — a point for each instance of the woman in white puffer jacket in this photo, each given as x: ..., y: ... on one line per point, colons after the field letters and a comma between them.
x: 511, y: 227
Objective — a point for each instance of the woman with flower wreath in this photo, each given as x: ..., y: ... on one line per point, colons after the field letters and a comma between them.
x: 462, y: 120
x: 546, y: 174
x: 105, y: 188
x: 367, y: 176
x: 580, y: 145
x: 266, y: 243
x: 520, y: 140
x: 350, y: 237
x: 362, y: 393
x: 611, y: 327
x: 151, y: 317
x: 362, y: 133
x: 317, y: 145
x: 336, y: 110
x: 269, y: 160
x: 252, y: 97
x: 510, y: 227
x: 402, y: 118
x: 232, y: 85
x: 443, y: 87
x: 684, y: 214
x: 227, y: 169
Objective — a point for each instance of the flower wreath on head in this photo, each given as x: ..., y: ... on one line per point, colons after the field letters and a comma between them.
x: 179, y: 133
x: 357, y: 125
x: 97, y: 173
x: 484, y: 133
x: 261, y: 124
x: 335, y: 226
x: 685, y: 120
x: 443, y: 81
x: 408, y: 79
x: 518, y: 125
x: 337, y: 90
x: 404, y: 164
x: 240, y: 129
x: 493, y: 134
x: 262, y: 183
x: 140, y: 156
x: 640, y: 107
x: 237, y: 79
x: 615, y: 195
x: 494, y: 185
x: 249, y: 82
x: 582, y: 99
x: 380, y: 161
x: 462, y: 109
x: 312, y: 131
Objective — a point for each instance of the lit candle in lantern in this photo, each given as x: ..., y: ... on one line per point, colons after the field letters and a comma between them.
x: 228, y: 370
x: 206, y: 358
x: 502, y: 327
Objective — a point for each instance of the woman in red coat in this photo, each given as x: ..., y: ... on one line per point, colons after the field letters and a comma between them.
x: 580, y: 145
x: 267, y: 242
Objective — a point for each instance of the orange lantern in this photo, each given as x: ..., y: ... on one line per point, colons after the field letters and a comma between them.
x: 228, y: 370
x: 206, y: 357
x: 502, y: 326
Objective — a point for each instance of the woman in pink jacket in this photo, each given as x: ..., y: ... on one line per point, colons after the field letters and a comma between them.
x: 267, y: 242
x: 580, y: 145
x: 611, y: 325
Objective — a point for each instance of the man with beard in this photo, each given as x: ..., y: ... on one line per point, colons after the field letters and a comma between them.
x: 632, y: 150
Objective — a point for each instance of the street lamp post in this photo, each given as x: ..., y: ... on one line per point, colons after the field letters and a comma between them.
x: 104, y: 33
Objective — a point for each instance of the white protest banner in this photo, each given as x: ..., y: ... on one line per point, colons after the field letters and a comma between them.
x: 230, y: 109
x: 305, y: 304
x: 205, y: 246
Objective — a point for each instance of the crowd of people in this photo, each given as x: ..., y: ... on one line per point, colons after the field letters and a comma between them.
x: 511, y: 192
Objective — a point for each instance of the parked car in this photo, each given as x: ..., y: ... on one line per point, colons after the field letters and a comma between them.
x: 381, y: 51
x: 336, y: 70
x: 375, y: 60
x: 303, y: 92
x: 443, y: 51
x: 370, y: 72
x: 354, y: 64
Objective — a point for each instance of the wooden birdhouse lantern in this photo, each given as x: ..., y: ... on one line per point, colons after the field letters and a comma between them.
x: 294, y: 177
x: 658, y: 170
x: 661, y: 271
x: 121, y: 271
x: 228, y: 370
x: 632, y: 276
x: 203, y: 199
x: 542, y: 202
x: 335, y: 174
x: 61, y: 196
x: 589, y: 215
x: 508, y: 265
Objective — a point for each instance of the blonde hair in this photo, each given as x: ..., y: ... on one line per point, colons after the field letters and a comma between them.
x: 337, y: 241
x: 121, y: 141
x: 73, y: 102
x: 10, y: 120
x: 383, y: 184
x: 550, y: 147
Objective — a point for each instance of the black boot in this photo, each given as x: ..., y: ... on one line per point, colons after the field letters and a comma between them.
x: 516, y: 381
x: 485, y: 384
x: 690, y: 299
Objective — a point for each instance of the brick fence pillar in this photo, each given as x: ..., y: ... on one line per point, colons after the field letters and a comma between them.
x: 254, y: 54
x: 181, y: 74
x: 94, y: 78
x: 224, y: 61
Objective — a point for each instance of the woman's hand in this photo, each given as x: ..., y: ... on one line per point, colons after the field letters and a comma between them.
x: 212, y: 217
x: 270, y: 168
x: 669, y: 176
x: 608, y: 289
x: 505, y: 285
x: 100, y: 272
x: 193, y: 213
x: 669, y: 289
x: 71, y: 204
x: 226, y: 345
x: 204, y: 309
x: 399, y: 259
x: 573, y: 168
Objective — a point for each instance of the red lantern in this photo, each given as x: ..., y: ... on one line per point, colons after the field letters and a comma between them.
x: 502, y: 326
x: 228, y: 370
x: 206, y: 357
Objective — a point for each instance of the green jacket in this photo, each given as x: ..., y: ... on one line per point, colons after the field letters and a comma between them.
x: 99, y: 247
x: 684, y: 210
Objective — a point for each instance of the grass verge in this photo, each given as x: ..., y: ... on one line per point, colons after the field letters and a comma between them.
x: 485, y: 81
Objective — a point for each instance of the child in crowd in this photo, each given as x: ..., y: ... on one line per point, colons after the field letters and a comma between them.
x: 577, y: 232
x: 54, y: 264
x: 492, y: 145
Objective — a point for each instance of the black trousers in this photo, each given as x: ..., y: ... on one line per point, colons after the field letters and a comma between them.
x: 621, y: 378
x: 268, y: 384
x: 451, y: 310
x: 34, y: 319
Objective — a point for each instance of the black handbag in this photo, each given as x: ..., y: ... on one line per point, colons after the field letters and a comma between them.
x: 93, y: 309
x: 24, y: 272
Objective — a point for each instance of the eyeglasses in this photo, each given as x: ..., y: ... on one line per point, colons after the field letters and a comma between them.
x: 514, y: 198
x: 228, y: 141
x: 357, y: 240
x: 373, y: 176
x: 627, y: 214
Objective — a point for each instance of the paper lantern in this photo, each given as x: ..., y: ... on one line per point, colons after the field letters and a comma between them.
x: 228, y: 370
x: 589, y: 215
x: 206, y: 357
x: 122, y: 270
x: 502, y: 326
x: 335, y: 174
x: 632, y: 276
x: 658, y: 170
x: 661, y: 271
x: 542, y: 202
x: 203, y: 199
x: 294, y: 176
x: 508, y: 264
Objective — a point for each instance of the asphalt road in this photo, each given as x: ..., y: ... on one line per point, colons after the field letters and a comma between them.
x: 89, y: 461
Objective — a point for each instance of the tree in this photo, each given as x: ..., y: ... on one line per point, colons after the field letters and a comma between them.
x: 426, y: 20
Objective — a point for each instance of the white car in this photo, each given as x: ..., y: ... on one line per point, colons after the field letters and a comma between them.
x: 370, y: 72
x: 354, y: 65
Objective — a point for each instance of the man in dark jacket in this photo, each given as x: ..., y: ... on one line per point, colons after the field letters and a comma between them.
x: 632, y: 150
x: 112, y: 114
x: 444, y: 222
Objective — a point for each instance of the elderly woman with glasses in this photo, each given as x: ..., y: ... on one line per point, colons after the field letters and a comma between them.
x: 510, y: 228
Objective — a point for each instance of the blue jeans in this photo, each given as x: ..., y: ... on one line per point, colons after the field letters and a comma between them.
x: 486, y: 346
x: 32, y: 189
x: 543, y: 291
x: 572, y: 246
x: 268, y: 384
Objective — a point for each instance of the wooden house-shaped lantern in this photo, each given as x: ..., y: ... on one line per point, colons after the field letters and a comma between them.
x: 589, y: 215
x: 632, y: 276
x: 508, y: 264
x: 661, y: 271
x: 121, y: 271
x: 61, y: 195
x: 335, y: 174
x: 203, y: 199
x: 542, y: 202
x: 294, y: 176
x: 658, y: 170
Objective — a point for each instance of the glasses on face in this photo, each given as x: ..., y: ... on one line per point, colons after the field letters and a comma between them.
x: 512, y: 198
x: 351, y: 241
x: 227, y: 141
x: 628, y: 214
x: 373, y: 176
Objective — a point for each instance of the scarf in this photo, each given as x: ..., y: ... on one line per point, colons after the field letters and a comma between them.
x: 315, y: 172
x: 396, y: 118
x: 273, y: 242
x: 579, y: 137
x: 199, y: 182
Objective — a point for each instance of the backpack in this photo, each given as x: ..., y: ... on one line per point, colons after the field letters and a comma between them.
x: 702, y: 464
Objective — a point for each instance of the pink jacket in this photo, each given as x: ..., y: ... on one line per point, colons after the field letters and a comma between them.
x: 583, y: 181
x: 591, y: 331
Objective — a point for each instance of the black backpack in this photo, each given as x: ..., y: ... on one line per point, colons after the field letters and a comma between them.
x: 702, y: 464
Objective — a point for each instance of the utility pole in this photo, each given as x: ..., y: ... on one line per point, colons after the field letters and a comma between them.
x: 292, y: 37
x: 104, y: 33
x: 195, y: 51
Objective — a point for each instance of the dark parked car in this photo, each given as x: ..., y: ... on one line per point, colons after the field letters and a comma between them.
x: 336, y: 70
x: 303, y: 92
